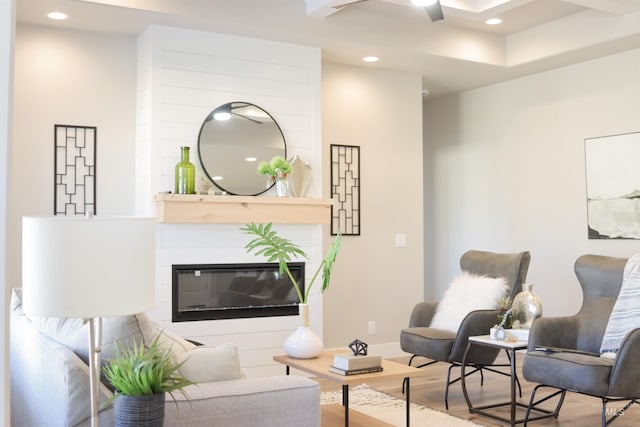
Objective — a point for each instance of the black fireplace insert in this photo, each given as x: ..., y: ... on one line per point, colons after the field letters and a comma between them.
x: 228, y: 291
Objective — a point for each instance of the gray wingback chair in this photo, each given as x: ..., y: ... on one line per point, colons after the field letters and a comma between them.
x: 564, y: 352
x: 445, y: 346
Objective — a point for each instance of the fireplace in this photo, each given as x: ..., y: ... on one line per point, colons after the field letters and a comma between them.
x: 229, y: 291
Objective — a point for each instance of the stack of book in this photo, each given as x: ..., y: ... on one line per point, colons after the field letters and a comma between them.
x: 348, y: 364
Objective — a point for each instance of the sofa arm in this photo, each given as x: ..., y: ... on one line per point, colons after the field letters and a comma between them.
x: 422, y: 314
x: 49, y: 382
x: 283, y: 400
x: 554, y: 332
x: 625, y: 376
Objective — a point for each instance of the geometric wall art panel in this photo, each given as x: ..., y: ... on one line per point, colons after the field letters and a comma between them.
x: 345, y: 189
x: 74, y: 170
x: 613, y: 186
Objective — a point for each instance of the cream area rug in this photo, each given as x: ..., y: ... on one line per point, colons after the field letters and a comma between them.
x: 391, y: 410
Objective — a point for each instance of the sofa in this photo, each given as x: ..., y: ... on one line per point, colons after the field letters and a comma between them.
x: 50, y: 379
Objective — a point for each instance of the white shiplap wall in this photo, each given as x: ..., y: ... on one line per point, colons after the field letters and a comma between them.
x: 182, y: 76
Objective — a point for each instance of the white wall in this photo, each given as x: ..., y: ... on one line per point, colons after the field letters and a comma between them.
x: 182, y: 76
x: 379, y: 111
x: 504, y: 171
x: 7, y: 26
x: 75, y: 78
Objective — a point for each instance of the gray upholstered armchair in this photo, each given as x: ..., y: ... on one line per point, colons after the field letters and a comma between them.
x: 564, y: 352
x: 439, y: 345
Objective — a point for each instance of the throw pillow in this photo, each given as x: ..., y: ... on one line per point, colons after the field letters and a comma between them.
x: 74, y: 333
x: 625, y: 314
x: 208, y: 363
x: 467, y: 293
x: 168, y: 341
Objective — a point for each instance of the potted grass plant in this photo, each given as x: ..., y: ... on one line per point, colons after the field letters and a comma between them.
x: 141, y: 377
x: 303, y: 343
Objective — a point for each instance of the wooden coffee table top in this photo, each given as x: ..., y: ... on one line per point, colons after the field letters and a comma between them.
x: 319, y: 367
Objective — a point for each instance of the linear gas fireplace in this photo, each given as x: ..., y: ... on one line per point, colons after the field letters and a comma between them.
x: 228, y: 291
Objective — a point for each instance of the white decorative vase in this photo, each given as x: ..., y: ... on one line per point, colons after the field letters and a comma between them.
x: 303, y: 343
x: 300, y: 177
x: 526, y: 306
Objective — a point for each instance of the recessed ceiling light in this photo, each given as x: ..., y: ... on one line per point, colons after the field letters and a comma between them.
x: 58, y: 16
x: 370, y: 59
x: 250, y: 159
x: 423, y: 2
x: 493, y: 21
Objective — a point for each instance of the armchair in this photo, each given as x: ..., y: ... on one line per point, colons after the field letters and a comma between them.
x: 439, y: 345
x: 564, y: 352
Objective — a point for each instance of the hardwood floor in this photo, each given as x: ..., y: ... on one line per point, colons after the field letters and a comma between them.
x: 428, y: 390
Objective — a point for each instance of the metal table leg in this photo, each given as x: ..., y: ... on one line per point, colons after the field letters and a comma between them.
x: 408, y: 400
x: 345, y: 403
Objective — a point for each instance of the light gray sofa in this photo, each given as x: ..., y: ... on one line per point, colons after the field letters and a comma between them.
x: 50, y: 387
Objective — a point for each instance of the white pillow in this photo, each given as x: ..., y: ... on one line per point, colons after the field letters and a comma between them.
x: 208, y: 363
x: 623, y: 317
x: 467, y: 293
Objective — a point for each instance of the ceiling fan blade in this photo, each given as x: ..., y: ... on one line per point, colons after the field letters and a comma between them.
x: 247, y: 118
x: 349, y: 3
x: 435, y: 11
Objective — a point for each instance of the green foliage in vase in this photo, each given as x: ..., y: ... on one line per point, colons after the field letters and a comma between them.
x: 137, y: 370
x: 278, y: 249
x: 504, y: 304
x: 277, y: 163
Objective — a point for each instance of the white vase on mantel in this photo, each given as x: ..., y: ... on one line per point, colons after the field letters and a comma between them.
x: 303, y: 343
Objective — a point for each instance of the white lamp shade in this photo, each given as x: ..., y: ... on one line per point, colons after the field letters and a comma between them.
x: 87, y: 267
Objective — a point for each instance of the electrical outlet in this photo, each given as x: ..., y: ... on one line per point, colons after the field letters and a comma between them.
x: 371, y: 327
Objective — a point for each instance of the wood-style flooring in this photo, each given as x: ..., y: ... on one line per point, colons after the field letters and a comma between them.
x: 428, y: 390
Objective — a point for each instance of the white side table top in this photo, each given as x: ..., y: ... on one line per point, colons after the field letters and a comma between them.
x: 492, y: 342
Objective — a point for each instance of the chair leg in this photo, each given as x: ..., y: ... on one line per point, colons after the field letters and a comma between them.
x: 404, y: 382
x: 619, y: 412
x: 533, y: 403
x: 449, y: 382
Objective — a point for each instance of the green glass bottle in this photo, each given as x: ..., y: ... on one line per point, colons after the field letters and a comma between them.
x: 185, y: 174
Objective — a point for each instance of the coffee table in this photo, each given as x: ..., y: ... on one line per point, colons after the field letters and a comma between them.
x: 319, y: 367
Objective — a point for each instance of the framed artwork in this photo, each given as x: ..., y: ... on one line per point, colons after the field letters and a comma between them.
x: 74, y: 170
x: 613, y: 186
x: 345, y: 189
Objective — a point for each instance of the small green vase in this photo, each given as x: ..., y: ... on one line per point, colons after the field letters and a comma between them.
x: 508, y: 324
x: 185, y: 174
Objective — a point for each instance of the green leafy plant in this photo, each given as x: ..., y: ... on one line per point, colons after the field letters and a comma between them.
x: 136, y: 370
x: 277, y: 163
x: 275, y: 248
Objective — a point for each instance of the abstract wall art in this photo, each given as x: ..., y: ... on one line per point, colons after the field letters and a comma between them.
x: 74, y: 170
x: 345, y: 189
x: 613, y: 186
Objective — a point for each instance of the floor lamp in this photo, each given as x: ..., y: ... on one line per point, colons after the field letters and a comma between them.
x: 88, y: 268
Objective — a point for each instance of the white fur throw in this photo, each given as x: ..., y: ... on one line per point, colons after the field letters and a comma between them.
x: 467, y: 293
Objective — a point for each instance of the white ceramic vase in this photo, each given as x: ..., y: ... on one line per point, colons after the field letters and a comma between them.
x: 303, y: 343
x: 300, y: 177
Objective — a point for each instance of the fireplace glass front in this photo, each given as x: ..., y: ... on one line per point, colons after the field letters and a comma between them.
x: 227, y: 291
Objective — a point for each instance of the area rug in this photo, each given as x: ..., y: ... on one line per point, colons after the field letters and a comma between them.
x: 391, y: 410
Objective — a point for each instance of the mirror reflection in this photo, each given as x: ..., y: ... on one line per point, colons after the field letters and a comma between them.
x: 233, y: 140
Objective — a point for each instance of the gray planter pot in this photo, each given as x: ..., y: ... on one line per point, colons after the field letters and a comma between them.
x: 139, y: 411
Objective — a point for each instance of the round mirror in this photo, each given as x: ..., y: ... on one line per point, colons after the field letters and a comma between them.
x: 233, y: 140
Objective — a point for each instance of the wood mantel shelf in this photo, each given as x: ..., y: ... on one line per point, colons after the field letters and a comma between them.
x: 194, y: 208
